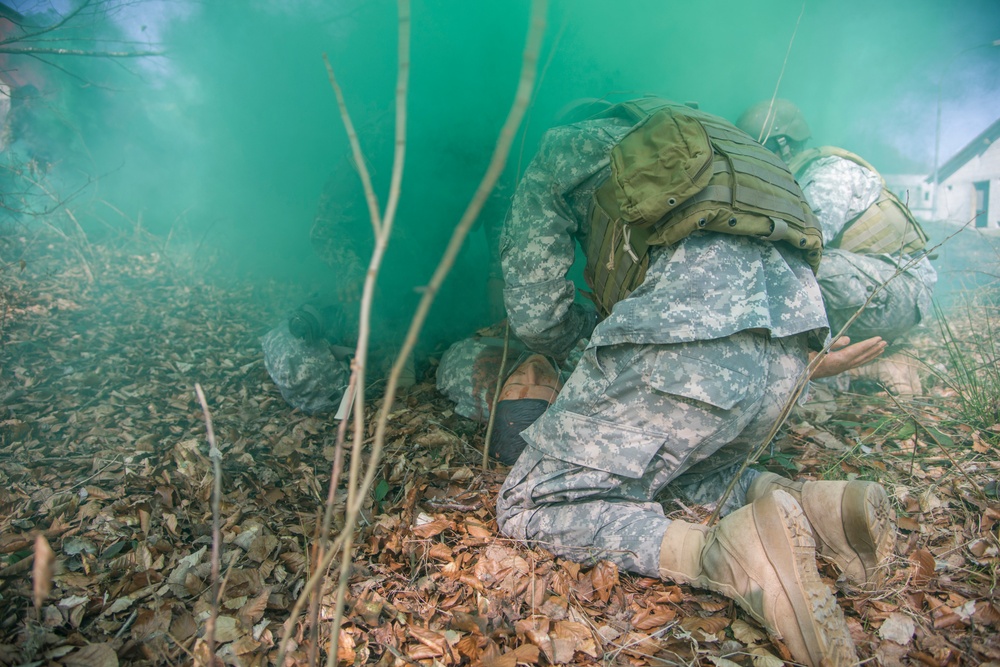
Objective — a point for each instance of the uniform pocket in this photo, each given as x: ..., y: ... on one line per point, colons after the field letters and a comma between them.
x: 699, y: 380
x: 638, y: 401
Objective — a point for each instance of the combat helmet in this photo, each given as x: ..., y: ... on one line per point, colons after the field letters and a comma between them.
x: 777, y: 124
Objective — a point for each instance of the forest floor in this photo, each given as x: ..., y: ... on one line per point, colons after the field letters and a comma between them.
x: 103, y: 452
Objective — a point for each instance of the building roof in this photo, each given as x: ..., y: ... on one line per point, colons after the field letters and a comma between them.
x: 975, y: 147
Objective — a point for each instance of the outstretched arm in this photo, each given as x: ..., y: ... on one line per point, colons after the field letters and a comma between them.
x: 843, y: 356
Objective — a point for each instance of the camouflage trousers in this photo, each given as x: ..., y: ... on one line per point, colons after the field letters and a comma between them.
x: 638, y: 423
x: 308, y: 375
x: 847, y: 279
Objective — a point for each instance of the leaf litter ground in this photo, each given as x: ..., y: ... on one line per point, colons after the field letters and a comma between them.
x: 103, y: 452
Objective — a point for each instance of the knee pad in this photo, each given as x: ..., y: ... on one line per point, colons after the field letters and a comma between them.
x: 512, y: 417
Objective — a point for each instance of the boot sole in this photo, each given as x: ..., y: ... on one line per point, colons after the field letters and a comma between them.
x: 788, y: 541
x: 869, y: 527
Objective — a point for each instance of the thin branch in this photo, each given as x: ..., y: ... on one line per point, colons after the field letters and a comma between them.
x: 502, y: 150
x: 354, y: 494
x: 216, y: 456
x: 55, y: 26
x: 70, y: 74
x: 29, y: 50
x: 954, y: 464
x: 769, y: 117
x: 496, y: 397
x: 359, y: 158
x: 357, y: 491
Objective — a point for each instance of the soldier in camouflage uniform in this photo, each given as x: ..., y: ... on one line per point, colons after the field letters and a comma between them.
x: 682, y: 379
x: 839, y: 190
x: 308, y: 353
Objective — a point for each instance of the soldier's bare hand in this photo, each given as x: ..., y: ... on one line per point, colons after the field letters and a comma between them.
x: 843, y: 356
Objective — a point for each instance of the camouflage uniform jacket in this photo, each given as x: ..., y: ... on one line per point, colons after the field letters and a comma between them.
x: 707, y: 286
x: 839, y: 190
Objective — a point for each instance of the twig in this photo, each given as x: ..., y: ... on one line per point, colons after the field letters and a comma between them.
x: 49, y: 28
x: 181, y: 646
x: 338, y: 462
x: 359, y: 159
x: 357, y: 491
x: 769, y: 118
x: 126, y: 624
x: 355, y: 494
x: 944, y: 450
x: 30, y: 50
x: 216, y: 456
x: 496, y: 397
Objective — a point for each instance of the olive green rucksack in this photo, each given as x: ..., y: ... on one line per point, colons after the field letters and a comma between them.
x: 678, y: 171
x: 887, y: 226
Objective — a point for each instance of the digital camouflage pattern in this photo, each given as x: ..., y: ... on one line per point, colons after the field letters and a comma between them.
x: 705, y: 286
x: 634, y: 420
x: 846, y: 280
x: 838, y: 190
x: 308, y: 375
x: 678, y: 383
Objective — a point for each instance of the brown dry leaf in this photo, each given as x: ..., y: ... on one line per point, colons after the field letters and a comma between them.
x: 439, y: 551
x: 987, y: 613
x: 468, y: 647
x: 523, y: 654
x: 763, y: 658
x: 227, y: 629
x: 41, y: 571
x: 653, y: 617
x: 150, y: 623
x: 709, y: 626
x: 183, y: 627
x: 746, y: 633
x: 345, y: 647
x: 526, y: 653
x: 604, y: 577
x: 898, y: 628
x: 428, y: 530
x: 92, y: 655
x: 922, y: 567
x: 640, y: 644
x: 670, y: 595
x: 536, y: 629
x: 712, y: 606
x: 478, y: 530
x: 253, y: 610
x: 575, y: 636
x: 906, y: 523
x: 419, y: 652
x: 433, y: 640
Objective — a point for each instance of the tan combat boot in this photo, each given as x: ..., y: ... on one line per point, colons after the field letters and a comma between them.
x: 852, y: 523
x: 763, y: 557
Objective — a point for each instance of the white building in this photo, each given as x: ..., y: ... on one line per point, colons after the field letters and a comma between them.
x: 914, y: 191
x: 969, y: 184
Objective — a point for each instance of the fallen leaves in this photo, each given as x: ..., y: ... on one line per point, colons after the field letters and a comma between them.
x: 113, y: 473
